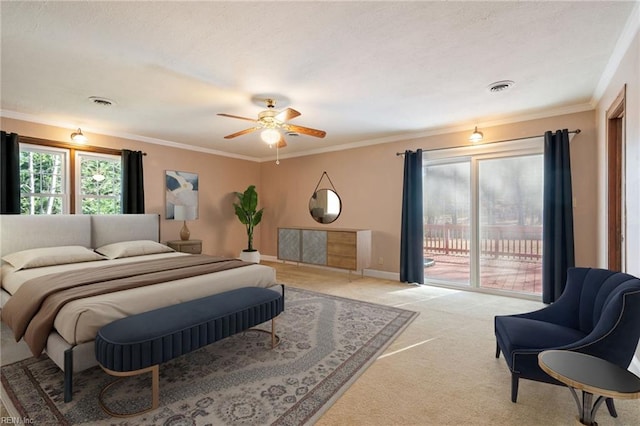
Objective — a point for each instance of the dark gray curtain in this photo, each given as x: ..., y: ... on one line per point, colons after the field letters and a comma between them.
x: 9, y: 174
x: 412, y: 233
x: 132, y: 182
x: 557, y: 222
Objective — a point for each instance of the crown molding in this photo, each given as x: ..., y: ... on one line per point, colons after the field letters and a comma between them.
x: 462, y: 127
x: 39, y: 120
x: 570, y: 109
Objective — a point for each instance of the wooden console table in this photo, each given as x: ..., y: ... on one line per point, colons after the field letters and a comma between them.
x: 338, y: 248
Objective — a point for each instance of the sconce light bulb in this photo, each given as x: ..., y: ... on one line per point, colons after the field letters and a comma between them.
x: 78, y: 137
x: 476, y: 136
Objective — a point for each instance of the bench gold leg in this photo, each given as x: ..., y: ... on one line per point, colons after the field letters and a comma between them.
x: 273, y: 333
x: 275, y: 339
x: 155, y: 389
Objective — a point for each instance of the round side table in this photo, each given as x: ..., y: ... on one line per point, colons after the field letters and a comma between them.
x: 591, y: 375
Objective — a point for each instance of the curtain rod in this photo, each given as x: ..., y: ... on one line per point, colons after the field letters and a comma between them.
x: 66, y: 145
x: 577, y: 131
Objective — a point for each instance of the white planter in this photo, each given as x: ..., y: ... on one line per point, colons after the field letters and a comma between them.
x: 250, y: 256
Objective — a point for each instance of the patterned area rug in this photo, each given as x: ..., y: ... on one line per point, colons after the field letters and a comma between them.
x: 326, y: 343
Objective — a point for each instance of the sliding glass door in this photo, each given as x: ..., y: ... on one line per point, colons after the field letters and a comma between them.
x: 483, y: 217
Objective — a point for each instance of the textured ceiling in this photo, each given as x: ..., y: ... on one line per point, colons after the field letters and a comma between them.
x: 362, y: 71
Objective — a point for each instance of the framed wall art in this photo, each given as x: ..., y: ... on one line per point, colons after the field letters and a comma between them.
x: 181, y: 195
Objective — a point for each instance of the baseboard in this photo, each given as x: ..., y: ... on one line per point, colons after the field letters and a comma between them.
x: 269, y: 258
x: 374, y: 273
x: 290, y: 262
x: 385, y: 275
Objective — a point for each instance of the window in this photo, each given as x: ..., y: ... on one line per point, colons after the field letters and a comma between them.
x: 98, y: 182
x: 44, y: 185
x: 483, y: 217
x: 59, y: 178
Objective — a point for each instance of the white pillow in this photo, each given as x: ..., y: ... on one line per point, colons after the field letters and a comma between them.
x: 133, y: 248
x: 48, y: 256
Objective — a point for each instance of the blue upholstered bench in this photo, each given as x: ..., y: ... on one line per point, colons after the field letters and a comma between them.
x: 140, y: 343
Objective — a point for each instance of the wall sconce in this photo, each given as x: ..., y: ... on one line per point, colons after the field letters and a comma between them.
x: 476, y: 136
x: 78, y: 137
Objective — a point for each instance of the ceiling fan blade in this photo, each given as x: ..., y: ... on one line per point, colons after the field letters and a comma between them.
x: 306, y: 131
x: 237, y: 116
x: 281, y: 143
x: 241, y: 132
x: 287, y: 114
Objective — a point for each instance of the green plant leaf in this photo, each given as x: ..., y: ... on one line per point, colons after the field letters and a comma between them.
x: 240, y: 212
x: 245, y: 209
x: 250, y: 199
x: 257, y: 217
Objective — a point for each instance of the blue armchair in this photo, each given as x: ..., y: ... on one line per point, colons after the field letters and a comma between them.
x: 598, y: 314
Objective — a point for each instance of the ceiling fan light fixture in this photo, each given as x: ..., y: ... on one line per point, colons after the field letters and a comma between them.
x: 270, y: 136
x: 274, y: 125
x: 78, y: 137
x: 476, y: 136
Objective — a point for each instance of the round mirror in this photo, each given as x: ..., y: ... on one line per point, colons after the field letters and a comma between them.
x: 325, y: 206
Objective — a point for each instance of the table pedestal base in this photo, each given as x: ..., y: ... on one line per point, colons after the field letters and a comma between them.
x: 579, y: 423
x: 587, y: 408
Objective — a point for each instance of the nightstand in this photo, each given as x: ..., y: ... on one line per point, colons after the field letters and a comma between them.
x: 186, y: 246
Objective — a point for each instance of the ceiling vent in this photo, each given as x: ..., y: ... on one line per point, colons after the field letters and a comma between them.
x: 500, y: 86
x: 101, y: 101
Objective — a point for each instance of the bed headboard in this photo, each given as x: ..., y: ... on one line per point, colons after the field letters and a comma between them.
x: 22, y: 232
x: 107, y: 229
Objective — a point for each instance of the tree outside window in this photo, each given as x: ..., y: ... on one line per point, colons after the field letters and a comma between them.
x: 57, y: 180
x: 43, y: 181
x: 99, y: 184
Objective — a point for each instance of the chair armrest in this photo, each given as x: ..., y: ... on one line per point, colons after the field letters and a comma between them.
x: 615, y: 336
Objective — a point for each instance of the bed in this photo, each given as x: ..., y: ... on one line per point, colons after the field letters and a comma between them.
x: 71, y: 342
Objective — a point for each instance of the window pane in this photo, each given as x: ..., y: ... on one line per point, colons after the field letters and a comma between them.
x: 100, y: 183
x: 511, y: 223
x: 100, y: 206
x: 41, y: 205
x: 447, y: 203
x: 42, y: 172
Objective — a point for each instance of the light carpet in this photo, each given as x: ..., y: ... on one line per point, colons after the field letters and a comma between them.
x: 326, y: 343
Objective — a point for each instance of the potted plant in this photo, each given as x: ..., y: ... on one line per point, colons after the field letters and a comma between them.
x: 249, y: 217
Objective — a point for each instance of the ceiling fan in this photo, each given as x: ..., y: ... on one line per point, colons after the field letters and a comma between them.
x: 273, y: 123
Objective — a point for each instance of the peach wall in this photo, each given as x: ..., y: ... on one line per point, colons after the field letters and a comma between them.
x: 368, y: 179
x: 364, y: 179
x: 369, y: 182
x: 218, y: 228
